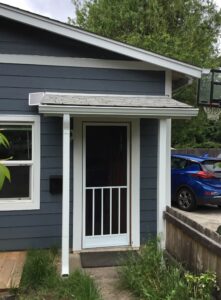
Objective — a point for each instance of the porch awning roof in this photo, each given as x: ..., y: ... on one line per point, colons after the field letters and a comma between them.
x: 112, y: 105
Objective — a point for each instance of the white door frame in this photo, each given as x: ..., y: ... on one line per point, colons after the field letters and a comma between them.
x: 78, y: 180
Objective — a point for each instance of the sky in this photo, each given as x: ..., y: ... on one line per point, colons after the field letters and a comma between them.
x: 55, y: 9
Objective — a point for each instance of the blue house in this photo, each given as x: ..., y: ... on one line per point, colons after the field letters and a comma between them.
x: 89, y: 124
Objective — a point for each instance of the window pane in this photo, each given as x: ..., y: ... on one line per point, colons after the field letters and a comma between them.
x: 20, y: 139
x: 19, y: 185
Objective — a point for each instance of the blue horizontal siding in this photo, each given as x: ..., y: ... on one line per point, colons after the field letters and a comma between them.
x: 30, y: 243
x: 38, y: 228
x: 17, y: 38
x: 16, y: 87
x: 42, y: 228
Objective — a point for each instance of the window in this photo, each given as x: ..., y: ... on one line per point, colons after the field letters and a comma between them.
x: 193, y: 166
x: 22, y: 158
x: 178, y: 163
x: 213, y: 166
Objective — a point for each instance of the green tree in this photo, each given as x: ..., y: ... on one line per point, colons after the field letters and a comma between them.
x: 187, y: 30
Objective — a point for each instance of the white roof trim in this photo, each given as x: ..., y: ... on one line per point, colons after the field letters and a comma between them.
x: 111, y: 105
x: 89, y: 111
x: 98, y: 41
x: 43, y: 60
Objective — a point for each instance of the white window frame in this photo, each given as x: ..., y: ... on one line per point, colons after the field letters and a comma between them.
x: 33, y: 202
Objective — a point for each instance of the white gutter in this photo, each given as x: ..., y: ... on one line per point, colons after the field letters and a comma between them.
x: 150, y: 112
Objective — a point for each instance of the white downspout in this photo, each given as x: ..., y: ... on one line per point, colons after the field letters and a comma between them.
x: 65, y: 196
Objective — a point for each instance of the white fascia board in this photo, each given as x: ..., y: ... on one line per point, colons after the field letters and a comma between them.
x: 119, y: 112
x: 80, y: 62
x: 98, y: 41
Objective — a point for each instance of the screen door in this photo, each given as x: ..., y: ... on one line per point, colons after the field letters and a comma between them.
x: 106, y: 185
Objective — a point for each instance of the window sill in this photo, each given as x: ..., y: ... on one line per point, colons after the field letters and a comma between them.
x: 18, y: 204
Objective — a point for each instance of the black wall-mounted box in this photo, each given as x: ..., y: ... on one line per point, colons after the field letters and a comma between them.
x: 55, y: 184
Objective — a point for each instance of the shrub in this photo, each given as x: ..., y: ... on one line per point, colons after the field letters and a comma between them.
x: 148, y: 276
x: 200, y: 286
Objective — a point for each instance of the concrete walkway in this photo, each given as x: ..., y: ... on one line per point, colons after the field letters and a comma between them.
x: 207, y: 216
x: 107, y: 280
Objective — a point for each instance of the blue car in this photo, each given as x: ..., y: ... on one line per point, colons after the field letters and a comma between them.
x: 195, y: 180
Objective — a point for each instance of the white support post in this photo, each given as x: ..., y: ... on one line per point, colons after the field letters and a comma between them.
x: 163, y: 175
x: 135, y: 183
x: 77, y: 184
x: 65, y: 196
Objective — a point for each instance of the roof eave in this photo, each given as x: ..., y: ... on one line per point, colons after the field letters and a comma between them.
x: 175, y: 113
x: 99, y: 41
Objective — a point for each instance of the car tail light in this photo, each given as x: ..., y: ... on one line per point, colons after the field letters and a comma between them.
x: 210, y: 193
x: 203, y: 175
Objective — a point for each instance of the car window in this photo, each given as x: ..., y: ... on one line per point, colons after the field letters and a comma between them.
x: 212, y: 166
x: 178, y: 163
x: 193, y: 166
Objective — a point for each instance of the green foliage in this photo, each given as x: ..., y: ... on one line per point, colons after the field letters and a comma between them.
x: 219, y: 230
x: 79, y: 286
x: 198, y: 133
x: 187, y: 30
x: 201, y: 286
x: 40, y: 280
x: 39, y: 270
x: 4, y: 171
x: 4, y: 141
x: 148, y: 276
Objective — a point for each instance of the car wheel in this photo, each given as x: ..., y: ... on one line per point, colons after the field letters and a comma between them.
x: 185, y: 199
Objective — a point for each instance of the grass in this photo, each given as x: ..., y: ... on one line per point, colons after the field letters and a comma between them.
x: 40, y: 280
x: 148, y: 276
